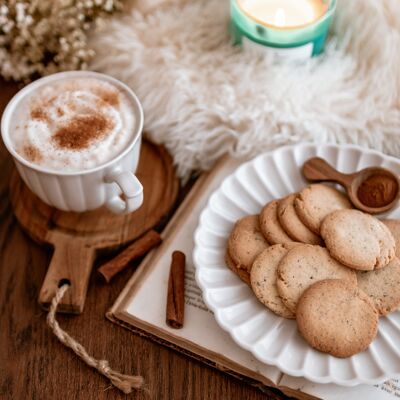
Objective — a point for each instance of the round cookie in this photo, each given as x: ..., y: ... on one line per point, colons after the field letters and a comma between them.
x: 263, y: 278
x: 394, y: 228
x: 336, y: 317
x: 292, y: 224
x: 305, y: 265
x: 246, y: 242
x: 270, y: 225
x: 382, y: 286
x: 358, y: 240
x: 241, y: 273
x: 315, y: 202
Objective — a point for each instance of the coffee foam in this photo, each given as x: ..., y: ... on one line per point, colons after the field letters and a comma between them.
x: 74, y: 124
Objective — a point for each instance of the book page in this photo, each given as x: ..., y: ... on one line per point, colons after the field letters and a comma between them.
x: 386, y: 391
x: 200, y: 327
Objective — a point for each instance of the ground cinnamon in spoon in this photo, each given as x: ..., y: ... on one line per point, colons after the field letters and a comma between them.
x: 378, y: 190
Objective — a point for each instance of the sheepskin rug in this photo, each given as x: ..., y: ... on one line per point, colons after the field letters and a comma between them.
x: 203, y: 97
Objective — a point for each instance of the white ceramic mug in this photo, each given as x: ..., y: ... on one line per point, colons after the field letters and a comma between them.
x: 87, y: 189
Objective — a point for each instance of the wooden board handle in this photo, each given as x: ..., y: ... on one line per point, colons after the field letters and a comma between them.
x: 317, y: 169
x: 72, y: 262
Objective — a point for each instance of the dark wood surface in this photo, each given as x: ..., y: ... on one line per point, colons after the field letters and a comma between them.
x: 77, y: 237
x: 34, y: 365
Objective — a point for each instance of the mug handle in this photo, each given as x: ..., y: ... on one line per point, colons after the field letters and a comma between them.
x: 131, y: 189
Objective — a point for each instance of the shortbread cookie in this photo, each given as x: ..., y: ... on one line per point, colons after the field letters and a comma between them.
x: 263, y: 278
x: 315, y: 202
x: 394, y: 228
x: 246, y: 242
x: 241, y: 273
x: 336, y: 317
x: 382, y: 286
x: 292, y: 224
x: 358, y: 240
x: 305, y: 265
x: 270, y: 225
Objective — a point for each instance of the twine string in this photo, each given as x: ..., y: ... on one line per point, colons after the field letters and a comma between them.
x: 126, y: 383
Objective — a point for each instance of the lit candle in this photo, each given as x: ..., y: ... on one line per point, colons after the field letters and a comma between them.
x: 295, y: 27
x: 284, y: 13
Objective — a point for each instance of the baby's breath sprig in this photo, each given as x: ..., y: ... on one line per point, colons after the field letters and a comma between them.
x: 39, y: 37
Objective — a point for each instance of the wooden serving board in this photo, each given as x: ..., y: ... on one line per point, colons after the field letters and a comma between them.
x: 77, y: 237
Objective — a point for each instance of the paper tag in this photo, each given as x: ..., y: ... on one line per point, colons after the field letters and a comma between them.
x: 298, y: 53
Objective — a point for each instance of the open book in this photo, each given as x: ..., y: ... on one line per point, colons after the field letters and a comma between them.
x: 141, y: 307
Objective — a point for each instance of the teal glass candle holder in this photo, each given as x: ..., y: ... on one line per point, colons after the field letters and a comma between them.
x: 301, y: 41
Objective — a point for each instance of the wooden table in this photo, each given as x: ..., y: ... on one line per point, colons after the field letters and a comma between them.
x: 34, y: 365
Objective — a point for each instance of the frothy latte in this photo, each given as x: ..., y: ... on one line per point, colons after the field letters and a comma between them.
x: 73, y: 124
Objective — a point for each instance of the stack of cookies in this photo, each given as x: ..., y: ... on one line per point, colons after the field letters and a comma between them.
x: 312, y: 257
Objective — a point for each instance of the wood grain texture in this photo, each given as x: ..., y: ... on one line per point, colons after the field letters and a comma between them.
x: 34, y: 365
x: 77, y: 237
x: 317, y: 169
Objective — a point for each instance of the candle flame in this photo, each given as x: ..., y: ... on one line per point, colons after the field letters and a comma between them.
x: 280, y: 17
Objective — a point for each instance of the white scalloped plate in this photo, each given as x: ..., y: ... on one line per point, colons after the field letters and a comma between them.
x: 272, y: 339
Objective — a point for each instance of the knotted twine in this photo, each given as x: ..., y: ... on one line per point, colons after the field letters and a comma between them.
x: 123, y: 382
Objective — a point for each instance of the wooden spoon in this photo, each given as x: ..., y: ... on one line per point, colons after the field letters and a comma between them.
x: 316, y: 169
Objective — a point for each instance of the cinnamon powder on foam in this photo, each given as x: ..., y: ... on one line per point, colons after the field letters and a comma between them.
x: 80, y: 131
x: 32, y: 153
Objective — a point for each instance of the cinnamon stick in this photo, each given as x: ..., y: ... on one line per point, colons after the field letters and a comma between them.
x: 176, y: 291
x: 137, y: 249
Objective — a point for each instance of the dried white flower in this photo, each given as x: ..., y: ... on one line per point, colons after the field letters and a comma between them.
x: 39, y: 37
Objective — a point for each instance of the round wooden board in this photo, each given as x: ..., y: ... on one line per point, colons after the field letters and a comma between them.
x: 76, y: 237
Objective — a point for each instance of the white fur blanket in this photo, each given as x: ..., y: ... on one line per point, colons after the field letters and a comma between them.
x: 203, y: 98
